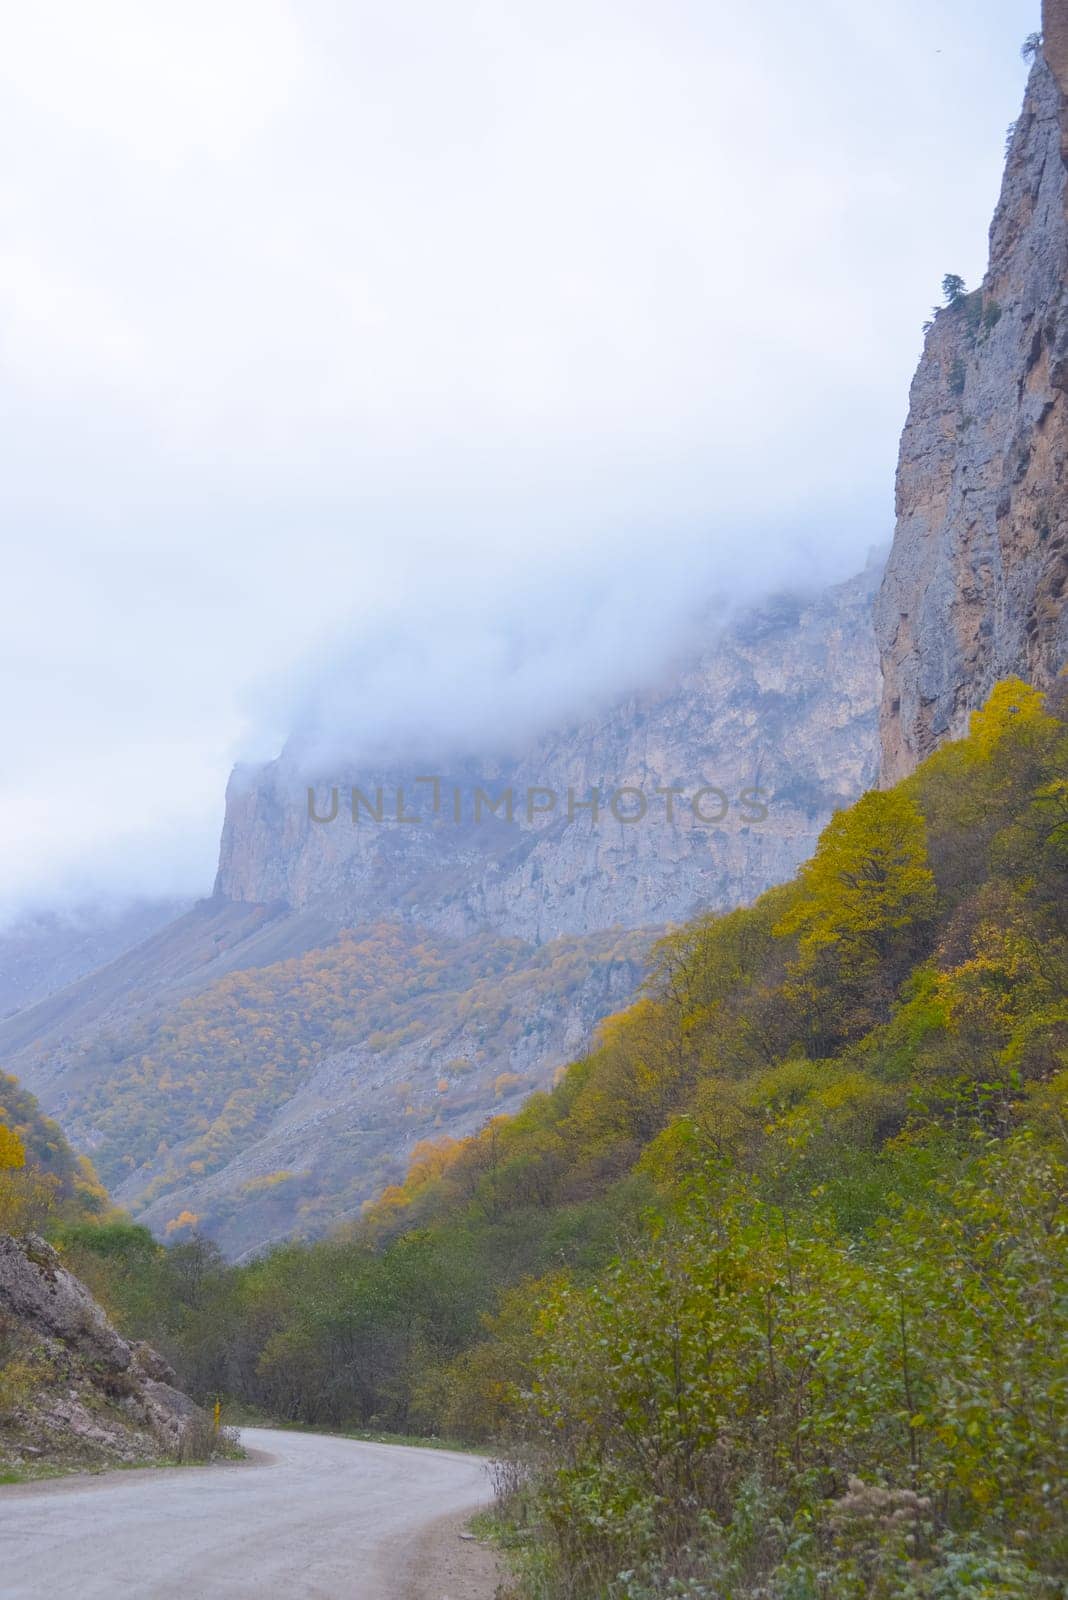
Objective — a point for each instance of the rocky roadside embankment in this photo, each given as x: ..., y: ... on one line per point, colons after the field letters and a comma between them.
x: 73, y: 1392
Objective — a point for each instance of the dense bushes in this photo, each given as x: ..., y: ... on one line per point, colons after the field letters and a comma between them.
x: 873, y: 1399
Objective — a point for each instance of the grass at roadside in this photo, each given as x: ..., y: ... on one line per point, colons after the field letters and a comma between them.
x: 506, y: 1527
x: 39, y: 1472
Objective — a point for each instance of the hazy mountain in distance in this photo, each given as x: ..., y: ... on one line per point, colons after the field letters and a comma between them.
x: 781, y: 702
x: 43, y: 951
x: 267, y: 1061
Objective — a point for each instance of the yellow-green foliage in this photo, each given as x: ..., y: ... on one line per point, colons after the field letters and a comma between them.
x: 269, y: 1180
x: 755, y: 1356
x: 867, y: 885
x: 12, y: 1151
x: 39, y: 1173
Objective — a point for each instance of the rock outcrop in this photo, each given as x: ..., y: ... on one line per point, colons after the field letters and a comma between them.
x: 975, y: 586
x: 73, y: 1392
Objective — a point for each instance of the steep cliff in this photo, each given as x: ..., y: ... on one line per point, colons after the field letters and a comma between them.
x: 975, y: 584
x: 782, y: 701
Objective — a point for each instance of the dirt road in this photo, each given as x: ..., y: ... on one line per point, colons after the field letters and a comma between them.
x: 307, y: 1516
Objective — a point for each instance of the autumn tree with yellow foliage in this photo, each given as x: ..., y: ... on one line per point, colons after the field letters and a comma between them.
x: 25, y: 1194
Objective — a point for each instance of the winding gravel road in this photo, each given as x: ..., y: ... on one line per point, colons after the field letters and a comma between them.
x: 307, y: 1516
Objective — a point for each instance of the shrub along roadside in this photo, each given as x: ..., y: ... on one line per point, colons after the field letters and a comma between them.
x: 751, y: 1402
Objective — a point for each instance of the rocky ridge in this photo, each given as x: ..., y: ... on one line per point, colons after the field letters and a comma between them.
x: 781, y: 701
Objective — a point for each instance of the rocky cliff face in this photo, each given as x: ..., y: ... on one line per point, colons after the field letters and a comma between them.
x: 975, y: 584
x: 782, y: 702
x: 73, y: 1392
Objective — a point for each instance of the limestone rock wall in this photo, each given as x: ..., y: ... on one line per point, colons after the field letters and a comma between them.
x: 784, y: 700
x: 975, y: 584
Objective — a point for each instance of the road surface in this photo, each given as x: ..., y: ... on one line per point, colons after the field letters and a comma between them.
x: 307, y: 1516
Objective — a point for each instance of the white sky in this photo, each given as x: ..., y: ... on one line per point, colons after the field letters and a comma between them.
x: 431, y: 313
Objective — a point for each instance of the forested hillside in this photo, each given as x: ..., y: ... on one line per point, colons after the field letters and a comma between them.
x: 278, y: 1098
x: 768, y: 1296
x: 39, y: 1172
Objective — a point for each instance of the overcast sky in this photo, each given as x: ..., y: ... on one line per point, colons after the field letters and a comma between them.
x: 457, y: 329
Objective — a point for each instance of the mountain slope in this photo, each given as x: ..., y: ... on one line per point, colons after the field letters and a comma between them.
x: 277, y: 1101
x: 54, y: 1176
x: 217, y: 1073
x: 45, y: 952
